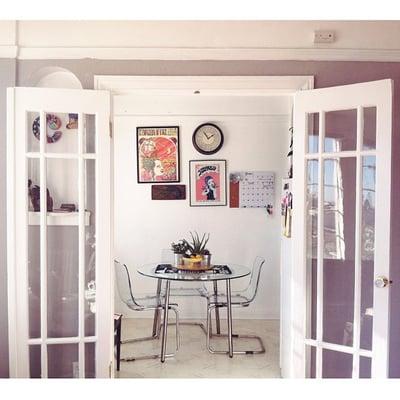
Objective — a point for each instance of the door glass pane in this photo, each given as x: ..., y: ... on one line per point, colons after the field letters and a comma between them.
x: 90, y: 365
x: 62, y: 249
x: 365, y: 367
x: 33, y: 248
x: 63, y: 361
x: 62, y: 281
x: 313, y: 132
x: 35, y: 364
x: 32, y: 131
x: 340, y: 130
x: 62, y: 132
x: 367, y: 250
x: 336, y: 364
x: 369, y: 128
x: 339, y: 251
x: 311, y: 235
x: 90, y: 133
x: 311, y: 353
x: 90, y: 248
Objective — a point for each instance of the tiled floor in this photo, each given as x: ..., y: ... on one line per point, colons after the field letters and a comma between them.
x: 194, y: 361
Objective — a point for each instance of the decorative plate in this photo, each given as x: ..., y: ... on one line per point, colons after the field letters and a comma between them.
x: 53, y: 123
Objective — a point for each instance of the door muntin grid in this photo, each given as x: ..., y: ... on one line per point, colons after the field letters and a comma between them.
x: 331, y: 185
x: 63, y: 295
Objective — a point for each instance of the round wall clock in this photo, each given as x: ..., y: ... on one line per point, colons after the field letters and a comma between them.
x: 208, y: 138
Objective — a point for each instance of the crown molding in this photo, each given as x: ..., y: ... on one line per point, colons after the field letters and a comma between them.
x: 191, y: 53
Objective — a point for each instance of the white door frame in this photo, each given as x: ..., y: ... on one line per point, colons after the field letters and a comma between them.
x: 355, y: 96
x: 204, y: 85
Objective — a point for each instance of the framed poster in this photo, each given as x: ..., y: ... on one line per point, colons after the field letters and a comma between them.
x: 207, y: 182
x: 157, y: 151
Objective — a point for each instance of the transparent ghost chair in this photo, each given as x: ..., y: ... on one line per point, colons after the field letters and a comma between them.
x: 199, y: 289
x: 142, y: 303
x: 242, y: 298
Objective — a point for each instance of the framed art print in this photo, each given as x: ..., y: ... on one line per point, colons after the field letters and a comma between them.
x: 207, y: 182
x: 157, y: 154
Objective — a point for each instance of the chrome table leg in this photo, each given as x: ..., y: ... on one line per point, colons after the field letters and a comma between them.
x: 217, y: 320
x: 156, y: 312
x: 229, y: 312
x: 165, y: 324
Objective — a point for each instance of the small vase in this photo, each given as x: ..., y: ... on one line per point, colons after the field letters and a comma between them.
x: 206, y: 260
x: 178, y: 259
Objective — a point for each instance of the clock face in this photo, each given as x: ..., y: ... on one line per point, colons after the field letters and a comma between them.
x: 208, y: 139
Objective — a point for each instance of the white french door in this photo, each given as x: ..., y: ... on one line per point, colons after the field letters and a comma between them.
x: 59, y: 233
x: 341, y: 231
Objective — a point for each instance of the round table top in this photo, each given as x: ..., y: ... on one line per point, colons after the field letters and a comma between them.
x: 238, y: 271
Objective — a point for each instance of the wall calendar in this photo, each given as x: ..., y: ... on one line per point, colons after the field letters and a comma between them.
x: 252, y: 189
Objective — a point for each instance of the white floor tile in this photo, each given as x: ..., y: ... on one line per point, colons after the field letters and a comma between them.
x: 193, y: 360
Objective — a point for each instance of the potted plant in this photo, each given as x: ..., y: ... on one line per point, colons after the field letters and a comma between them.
x: 180, y: 248
x: 193, y: 254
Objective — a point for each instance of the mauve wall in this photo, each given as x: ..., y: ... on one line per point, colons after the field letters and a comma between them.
x: 326, y: 74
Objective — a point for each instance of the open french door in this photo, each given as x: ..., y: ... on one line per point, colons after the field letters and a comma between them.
x: 59, y: 233
x: 341, y: 231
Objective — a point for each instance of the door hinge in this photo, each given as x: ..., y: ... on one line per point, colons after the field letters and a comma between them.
x: 110, y: 370
x: 111, y: 130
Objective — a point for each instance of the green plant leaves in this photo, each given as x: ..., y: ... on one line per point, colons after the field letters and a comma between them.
x: 197, y: 245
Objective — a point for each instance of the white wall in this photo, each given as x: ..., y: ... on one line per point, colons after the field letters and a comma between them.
x: 273, y: 34
x: 143, y: 227
x: 245, y: 40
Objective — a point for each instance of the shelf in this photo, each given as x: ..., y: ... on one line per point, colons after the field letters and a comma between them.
x: 59, y: 219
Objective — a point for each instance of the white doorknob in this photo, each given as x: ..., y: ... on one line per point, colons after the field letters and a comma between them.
x: 382, y: 281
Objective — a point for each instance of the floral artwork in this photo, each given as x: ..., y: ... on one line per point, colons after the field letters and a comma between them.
x: 158, y: 154
x: 207, y: 182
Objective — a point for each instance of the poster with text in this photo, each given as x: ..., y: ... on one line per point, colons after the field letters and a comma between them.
x: 157, y: 154
x: 207, y: 182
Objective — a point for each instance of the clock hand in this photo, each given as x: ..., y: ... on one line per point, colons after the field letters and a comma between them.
x: 205, y: 134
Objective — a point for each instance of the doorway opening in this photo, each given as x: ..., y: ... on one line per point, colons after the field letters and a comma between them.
x: 255, y: 115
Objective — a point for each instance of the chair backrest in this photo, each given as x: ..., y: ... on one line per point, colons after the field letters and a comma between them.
x: 124, y: 284
x: 255, y: 277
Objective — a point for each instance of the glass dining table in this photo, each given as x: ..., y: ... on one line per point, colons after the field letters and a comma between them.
x: 217, y: 272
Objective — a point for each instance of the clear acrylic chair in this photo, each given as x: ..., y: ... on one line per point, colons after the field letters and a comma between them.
x: 142, y: 303
x: 242, y: 298
x: 167, y: 256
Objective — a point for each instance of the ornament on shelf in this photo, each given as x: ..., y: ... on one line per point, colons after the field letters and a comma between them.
x: 34, y: 194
